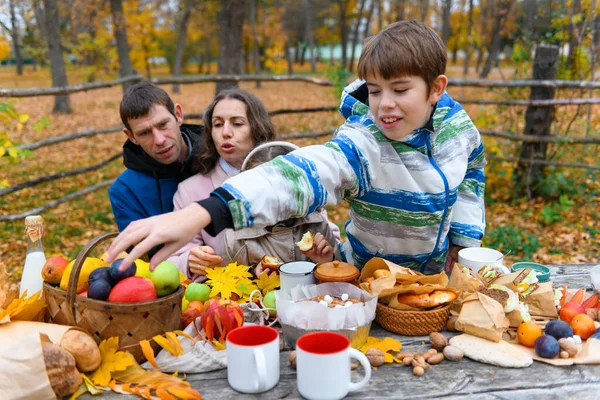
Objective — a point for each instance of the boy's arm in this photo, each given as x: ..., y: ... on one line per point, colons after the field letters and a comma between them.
x: 467, y: 225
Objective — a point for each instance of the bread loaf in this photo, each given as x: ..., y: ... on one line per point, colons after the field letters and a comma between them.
x: 64, y: 377
x: 427, y: 300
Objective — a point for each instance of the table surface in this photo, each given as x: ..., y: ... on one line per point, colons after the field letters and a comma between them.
x: 449, y: 380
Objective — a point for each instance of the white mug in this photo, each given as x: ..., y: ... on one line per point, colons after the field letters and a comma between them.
x: 296, y: 273
x: 323, y: 366
x: 477, y: 257
x: 253, y: 358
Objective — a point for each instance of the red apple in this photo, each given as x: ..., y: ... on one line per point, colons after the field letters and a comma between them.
x: 134, y: 289
x: 569, y: 310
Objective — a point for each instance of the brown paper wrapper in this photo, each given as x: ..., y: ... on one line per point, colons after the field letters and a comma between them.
x: 376, y: 263
x: 483, y: 317
x: 466, y: 284
x: 541, y: 301
x: 589, y: 353
x: 507, y: 280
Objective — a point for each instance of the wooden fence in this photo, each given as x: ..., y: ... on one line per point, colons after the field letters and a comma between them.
x: 35, y: 92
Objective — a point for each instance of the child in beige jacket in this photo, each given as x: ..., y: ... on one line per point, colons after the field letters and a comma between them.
x: 248, y: 246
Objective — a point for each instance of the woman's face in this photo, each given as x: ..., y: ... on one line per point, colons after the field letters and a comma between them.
x: 231, y: 131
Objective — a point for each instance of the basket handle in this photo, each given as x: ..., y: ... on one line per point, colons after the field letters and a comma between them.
x: 76, y: 270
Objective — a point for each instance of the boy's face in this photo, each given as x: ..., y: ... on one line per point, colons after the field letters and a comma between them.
x: 159, y: 135
x: 401, y: 105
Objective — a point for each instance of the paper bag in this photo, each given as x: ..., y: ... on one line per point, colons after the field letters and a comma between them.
x: 507, y: 280
x: 482, y: 316
x: 463, y: 282
x: 541, y: 301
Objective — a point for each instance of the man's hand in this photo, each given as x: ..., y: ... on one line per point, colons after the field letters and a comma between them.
x: 321, y: 251
x: 174, y: 229
x: 202, y: 257
x: 452, y: 258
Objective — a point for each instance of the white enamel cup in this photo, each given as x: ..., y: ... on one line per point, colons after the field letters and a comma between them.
x: 323, y: 366
x: 477, y: 257
x: 296, y: 273
x: 253, y: 358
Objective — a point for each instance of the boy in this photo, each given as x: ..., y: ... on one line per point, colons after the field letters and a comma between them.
x: 408, y: 160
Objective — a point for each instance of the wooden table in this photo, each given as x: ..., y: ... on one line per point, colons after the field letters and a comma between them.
x: 449, y: 379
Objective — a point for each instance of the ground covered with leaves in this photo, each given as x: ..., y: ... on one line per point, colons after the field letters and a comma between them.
x: 562, y: 227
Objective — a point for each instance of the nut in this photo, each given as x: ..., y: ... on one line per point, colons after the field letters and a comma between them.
x: 453, y: 353
x: 407, y: 361
x: 353, y: 366
x: 451, y: 324
x: 375, y: 356
x: 418, y: 371
x: 432, y: 351
x: 426, y: 356
x: 568, y: 346
x: 563, y: 354
x: 435, y: 359
x: 403, y: 355
x: 438, y: 341
x: 420, y: 362
x: 292, y: 358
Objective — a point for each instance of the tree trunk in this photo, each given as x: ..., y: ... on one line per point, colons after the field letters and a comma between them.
x: 14, y: 33
x: 343, y: 32
x: 368, y: 23
x: 379, y: 16
x: 231, y: 21
x: 355, y: 35
x: 469, y: 41
x: 254, y: 41
x: 120, y: 26
x: 572, y: 64
x: 446, y: 23
x: 400, y: 10
x: 185, y: 19
x: 62, y: 104
x: 494, y: 47
x: 308, y: 35
x: 290, y: 62
x: 424, y: 9
x: 538, y: 121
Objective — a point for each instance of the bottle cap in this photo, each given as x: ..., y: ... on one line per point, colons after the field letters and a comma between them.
x: 34, y: 227
x: 33, y: 220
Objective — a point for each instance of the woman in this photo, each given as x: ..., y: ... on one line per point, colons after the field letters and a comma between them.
x: 235, y: 122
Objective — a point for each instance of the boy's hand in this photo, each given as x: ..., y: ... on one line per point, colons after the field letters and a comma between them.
x: 202, y: 257
x: 452, y: 258
x: 174, y: 229
x: 259, y: 270
x: 321, y: 251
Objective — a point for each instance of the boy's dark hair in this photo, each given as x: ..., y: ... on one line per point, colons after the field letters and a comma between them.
x: 139, y: 99
x: 401, y: 49
x: 259, y: 120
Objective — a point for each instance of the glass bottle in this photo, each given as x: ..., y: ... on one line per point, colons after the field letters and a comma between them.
x: 31, y: 280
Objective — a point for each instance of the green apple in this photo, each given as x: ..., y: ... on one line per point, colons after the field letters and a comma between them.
x: 165, y: 278
x: 197, y: 291
x: 270, y: 302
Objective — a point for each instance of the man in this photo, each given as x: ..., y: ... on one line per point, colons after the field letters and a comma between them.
x: 157, y: 154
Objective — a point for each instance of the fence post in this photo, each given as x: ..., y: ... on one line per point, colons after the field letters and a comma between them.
x: 538, y: 120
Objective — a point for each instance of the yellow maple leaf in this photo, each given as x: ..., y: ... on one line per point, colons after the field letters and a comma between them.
x: 246, y: 287
x: 221, y: 282
x: 24, y: 308
x: 112, y: 360
x: 385, y: 345
x: 238, y: 271
x: 267, y: 283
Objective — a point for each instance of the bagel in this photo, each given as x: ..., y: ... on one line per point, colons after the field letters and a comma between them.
x: 427, y: 300
x: 270, y: 262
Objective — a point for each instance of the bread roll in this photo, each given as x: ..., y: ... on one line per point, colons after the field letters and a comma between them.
x: 306, y: 243
x: 380, y: 273
x: 427, y: 300
x: 270, y: 262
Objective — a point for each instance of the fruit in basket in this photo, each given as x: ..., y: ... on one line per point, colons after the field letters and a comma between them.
x: 100, y: 274
x: 165, y: 278
x: 99, y: 290
x: 81, y: 346
x: 53, y: 269
x: 142, y: 268
x: 583, y: 326
x: 198, y: 292
x: 528, y: 333
x: 547, y: 347
x: 220, y: 317
x: 558, y: 329
x: 104, y: 256
x: 134, y: 289
x: 90, y: 264
x: 117, y: 275
x: 569, y: 310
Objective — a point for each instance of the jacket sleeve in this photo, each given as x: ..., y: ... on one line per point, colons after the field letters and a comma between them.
x: 335, y: 230
x: 297, y: 184
x: 123, y: 205
x: 467, y: 225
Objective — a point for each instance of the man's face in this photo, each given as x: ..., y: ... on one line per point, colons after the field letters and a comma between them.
x: 401, y: 105
x: 159, y: 135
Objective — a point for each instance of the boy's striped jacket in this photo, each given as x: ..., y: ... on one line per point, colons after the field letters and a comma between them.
x: 408, y: 199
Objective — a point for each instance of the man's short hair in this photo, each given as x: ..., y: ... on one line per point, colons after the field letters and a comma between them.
x: 139, y: 99
x: 401, y: 49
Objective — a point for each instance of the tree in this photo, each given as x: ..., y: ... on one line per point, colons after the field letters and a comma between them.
x: 308, y: 34
x: 13, y: 31
x: 446, y: 20
x: 502, y: 12
x: 120, y: 27
x: 183, y: 24
x: 231, y: 22
x: 469, y: 40
x: 62, y: 103
x: 254, y: 40
x: 343, y: 31
x: 355, y: 34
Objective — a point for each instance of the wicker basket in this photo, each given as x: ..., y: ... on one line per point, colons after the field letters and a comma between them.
x: 412, y: 323
x: 131, y: 322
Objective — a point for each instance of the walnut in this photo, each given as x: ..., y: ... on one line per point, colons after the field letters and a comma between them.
x: 438, y: 341
x: 568, y: 346
x: 453, y: 353
x: 292, y: 358
x: 81, y: 346
x: 375, y: 356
